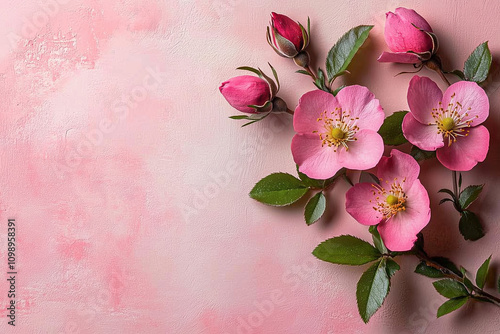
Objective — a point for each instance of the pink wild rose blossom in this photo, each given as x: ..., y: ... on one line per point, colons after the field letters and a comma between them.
x: 399, y: 204
x: 449, y: 123
x: 334, y: 132
x: 405, y: 34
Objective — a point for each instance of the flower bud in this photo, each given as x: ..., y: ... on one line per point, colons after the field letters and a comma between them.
x: 409, y: 37
x: 286, y: 36
x: 246, y: 93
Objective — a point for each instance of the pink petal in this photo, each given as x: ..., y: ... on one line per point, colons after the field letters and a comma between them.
x: 402, y: 36
x: 358, y: 101
x: 364, y: 153
x: 359, y: 203
x: 425, y: 137
x: 399, y: 233
x: 472, y: 98
x: 397, y: 167
x: 467, y: 151
x: 423, y: 97
x: 314, y: 160
x: 311, y: 105
x: 398, y: 57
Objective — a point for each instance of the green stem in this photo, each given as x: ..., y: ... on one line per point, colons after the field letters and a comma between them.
x: 455, y: 183
x: 420, y: 254
x: 311, y: 73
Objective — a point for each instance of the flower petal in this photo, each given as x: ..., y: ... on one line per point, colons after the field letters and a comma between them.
x: 364, y: 153
x: 423, y: 96
x: 310, y: 107
x: 314, y: 160
x: 398, y: 166
x: 401, y: 35
x: 472, y: 98
x: 398, y: 57
x: 288, y: 28
x: 359, y: 102
x: 466, y: 152
x: 425, y: 137
x: 359, y: 203
x: 399, y: 233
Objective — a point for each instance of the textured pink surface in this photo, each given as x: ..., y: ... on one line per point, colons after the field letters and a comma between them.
x: 129, y: 184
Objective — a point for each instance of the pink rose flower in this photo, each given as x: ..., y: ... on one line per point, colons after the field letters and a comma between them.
x: 336, y: 132
x: 407, y: 35
x: 449, y: 123
x: 245, y: 91
x: 399, y: 204
x: 286, y: 36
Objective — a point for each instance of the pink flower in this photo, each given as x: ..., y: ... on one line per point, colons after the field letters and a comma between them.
x: 399, y: 204
x: 286, y: 36
x: 245, y: 92
x: 336, y: 132
x: 449, y: 123
x: 408, y: 35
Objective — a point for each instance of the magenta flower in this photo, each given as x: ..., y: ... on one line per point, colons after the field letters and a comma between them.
x: 286, y: 36
x: 336, y: 132
x: 409, y: 37
x: 399, y: 204
x: 448, y: 123
x: 245, y: 92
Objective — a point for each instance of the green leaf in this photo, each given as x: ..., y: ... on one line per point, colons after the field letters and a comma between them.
x: 315, y: 208
x: 459, y: 74
x: 341, y: 54
x: 372, y: 288
x: 421, y: 155
x: 477, y: 66
x: 469, y: 195
x: 470, y: 226
x: 251, y: 69
x: 377, y: 240
x: 391, y: 130
x: 278, y: 189
x: 392, y: 267
x: 239, y: 117
x: 346, y: 249
x: 451, y: 305
x: 428, y: 271
x: 450, y: 289
x: 482, y: 273
x: 445, y: 200
x: 302, y: 72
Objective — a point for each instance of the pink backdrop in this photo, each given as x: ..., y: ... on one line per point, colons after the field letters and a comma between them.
x: 129, y: 183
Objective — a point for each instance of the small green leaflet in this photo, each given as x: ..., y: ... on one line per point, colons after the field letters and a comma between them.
x: 470, y: 227
x: 278, y: 189
x: 477, y: 66
x: 340, y: 55
x: 469, y: 195
x: 315, y: 208
x: 482, y: 273
x: 346, y: 249
x: 391, y: 131
x: 372, y: 288
x: 451, y: 305
x: 450, y: 289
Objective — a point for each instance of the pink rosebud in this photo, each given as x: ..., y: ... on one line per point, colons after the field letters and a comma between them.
x: 245, y: 91
x: 335, y: 132
x: 409, y: 37
x: 399, y: 205
x: 286, y: 36
x: 449, y: 123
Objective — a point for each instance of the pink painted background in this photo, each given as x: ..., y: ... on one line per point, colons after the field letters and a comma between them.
x: 129, y: 183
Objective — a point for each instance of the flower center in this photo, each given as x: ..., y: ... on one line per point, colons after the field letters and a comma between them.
x: 390, y: 201
x: 453, y: 121
x: 337, y: 133
x: 339, y: 129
